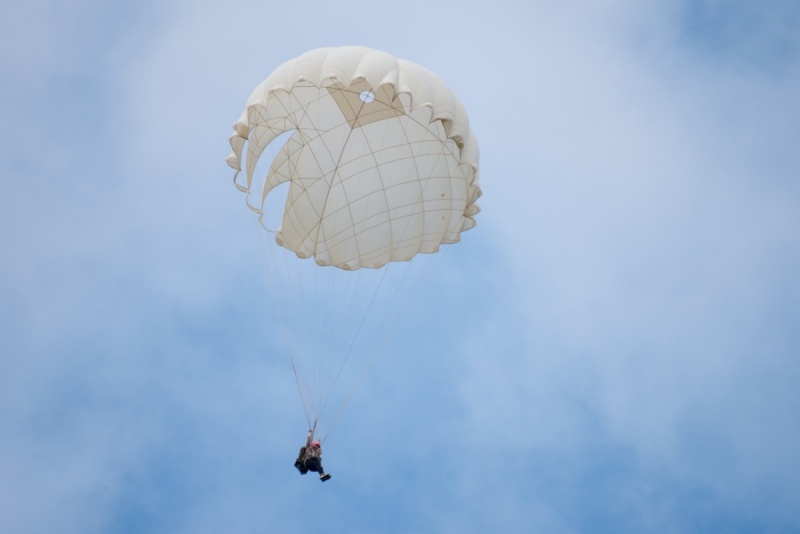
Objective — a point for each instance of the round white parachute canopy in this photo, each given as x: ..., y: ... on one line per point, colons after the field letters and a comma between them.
x: 382, y: 163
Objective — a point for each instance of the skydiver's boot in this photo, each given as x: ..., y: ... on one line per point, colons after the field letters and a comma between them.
x: 326, y: 476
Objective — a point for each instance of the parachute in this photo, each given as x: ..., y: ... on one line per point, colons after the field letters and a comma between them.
x: 374, y: 162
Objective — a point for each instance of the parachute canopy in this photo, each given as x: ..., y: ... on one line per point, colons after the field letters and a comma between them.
x: 382, y: 163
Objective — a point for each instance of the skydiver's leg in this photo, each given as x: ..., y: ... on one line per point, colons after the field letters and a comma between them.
x: 313, y: 464
x: 322, y: 476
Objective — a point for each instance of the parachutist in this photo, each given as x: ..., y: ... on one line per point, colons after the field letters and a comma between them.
x: 309, y: 458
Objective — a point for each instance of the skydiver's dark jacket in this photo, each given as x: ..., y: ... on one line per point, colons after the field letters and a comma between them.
x: 300, y: 463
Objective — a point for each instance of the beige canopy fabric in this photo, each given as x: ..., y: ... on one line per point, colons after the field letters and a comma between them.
x: 382, y: 163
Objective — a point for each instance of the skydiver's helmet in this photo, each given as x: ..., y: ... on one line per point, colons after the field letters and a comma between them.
x: 315, y: 445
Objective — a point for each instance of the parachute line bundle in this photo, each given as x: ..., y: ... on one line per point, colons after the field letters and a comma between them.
x: 379, y: 168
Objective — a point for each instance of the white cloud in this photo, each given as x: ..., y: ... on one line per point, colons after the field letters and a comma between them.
x: 649, y: 234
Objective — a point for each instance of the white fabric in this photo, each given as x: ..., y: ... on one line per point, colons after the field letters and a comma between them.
x: 382, y: 162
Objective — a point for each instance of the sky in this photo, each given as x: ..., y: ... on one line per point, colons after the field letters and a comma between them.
x: 614, y: 348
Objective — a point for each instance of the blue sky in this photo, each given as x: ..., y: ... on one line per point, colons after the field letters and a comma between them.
x: 614, y: 348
